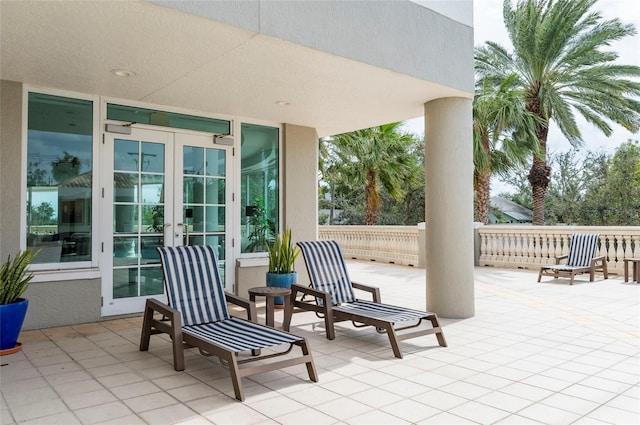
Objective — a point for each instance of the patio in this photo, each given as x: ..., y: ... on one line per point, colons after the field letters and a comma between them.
x: 534, y: 353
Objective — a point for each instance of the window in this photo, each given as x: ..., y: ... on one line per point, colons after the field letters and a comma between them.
x: 59, y: 178
x: 259, y: 185
x: 167, y: 119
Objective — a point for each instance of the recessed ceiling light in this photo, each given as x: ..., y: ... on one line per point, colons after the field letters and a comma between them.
x: 282, y: 103
x: 123, y: 73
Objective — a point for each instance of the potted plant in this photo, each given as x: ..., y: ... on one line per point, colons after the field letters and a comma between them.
x: 282, y: 256
x: 14, y: 279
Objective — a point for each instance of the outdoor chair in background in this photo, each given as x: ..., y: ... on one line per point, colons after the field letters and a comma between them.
x: 335, y: 301
x: 197, y: 316
x: 580, y: 259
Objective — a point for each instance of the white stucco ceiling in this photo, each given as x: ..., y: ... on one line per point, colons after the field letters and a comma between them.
x: 193, y: 63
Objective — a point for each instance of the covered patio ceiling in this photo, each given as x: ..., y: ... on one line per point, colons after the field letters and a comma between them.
x: 188, y: 62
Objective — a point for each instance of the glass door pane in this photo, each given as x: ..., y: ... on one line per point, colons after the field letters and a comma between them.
x: 138, y: 217
x: 204, y: 199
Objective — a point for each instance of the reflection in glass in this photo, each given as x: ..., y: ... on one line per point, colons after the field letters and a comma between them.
x: 215, y: 165
x: 215, y: 219
x: 126, y: 155
x: 217, y: 241
x: 125, y: 219
x: 125, y: 282
x: 196, y: 223
x: 215, y: 191
x: 149, y: 249
x: 259, y: 201
x: 125, y: 187
x: 152, y: 188
x: 152, y: 219
x: 151, y: 281
x: 193, y: 160
x: 59, y: 178
x: 193, y: 190
x: 125, y: 251
x: 152, y: 157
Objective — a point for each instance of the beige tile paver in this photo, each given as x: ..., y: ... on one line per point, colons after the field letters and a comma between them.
x: 534, y: 353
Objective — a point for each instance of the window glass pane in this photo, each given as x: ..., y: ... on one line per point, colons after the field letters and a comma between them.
x: 151, y: 281
x: 125, y: 219
x: 193, y: 190
x: 125, y: 251
x: 215, y: 165
x: 152, y: 157
x: 215, y: 191
x: 167, y: 119
x: 59, y: 178
x: 215, y: 219
x: 152, y: 188
x: 125, y: 155
x: 260, y: 186
x: 125, y: 282
x: 193, y: 161
x: 125, y: 187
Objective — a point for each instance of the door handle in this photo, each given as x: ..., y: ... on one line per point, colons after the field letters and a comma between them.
x: 186, y: 232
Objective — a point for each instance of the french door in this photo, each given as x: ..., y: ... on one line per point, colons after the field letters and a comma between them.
x: 169, y: 189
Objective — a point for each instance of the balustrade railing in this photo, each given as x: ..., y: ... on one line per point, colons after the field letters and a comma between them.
x: 508, y: 246
x: 388, y: 244
x: 531, y: 246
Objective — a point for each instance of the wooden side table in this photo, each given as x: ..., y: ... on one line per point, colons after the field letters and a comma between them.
x: 635, y: 265
x: 270, y: 293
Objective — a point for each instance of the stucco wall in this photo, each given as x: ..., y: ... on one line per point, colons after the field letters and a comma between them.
x: 62, y: 303
x: 397, y: 35
x: 10, y: 166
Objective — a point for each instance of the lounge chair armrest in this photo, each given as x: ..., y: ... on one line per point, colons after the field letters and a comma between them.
x: 561, y: 257
x: 373, y: 290
x: 250, y: 306
x: 309, y: 291
x: 162, y: 308
x: 596, y: 259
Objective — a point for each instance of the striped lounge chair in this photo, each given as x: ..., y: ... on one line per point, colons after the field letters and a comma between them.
x: 335, y: 300
x: 580, y: 259
x: 197, y: 316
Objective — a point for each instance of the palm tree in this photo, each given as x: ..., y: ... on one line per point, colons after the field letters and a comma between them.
x: 503, y: 136
x: 377, y: 156
x: 563, y: 68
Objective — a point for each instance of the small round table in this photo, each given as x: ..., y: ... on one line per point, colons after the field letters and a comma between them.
x: 270, y: 293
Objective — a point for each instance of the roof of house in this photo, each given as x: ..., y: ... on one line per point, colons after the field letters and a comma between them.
x: 512, y: 209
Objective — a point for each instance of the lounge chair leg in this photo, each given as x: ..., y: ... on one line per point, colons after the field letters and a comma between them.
x: 328, y: 322
x: 146, y: 329
x: 539, y: 275
x: 311, y: 367
x: 235, y: 376
x: 393, y: 340
x: 439, y: 335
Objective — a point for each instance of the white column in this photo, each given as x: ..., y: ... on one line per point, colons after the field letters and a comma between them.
x: 300, y: 186
x: 449, y: 207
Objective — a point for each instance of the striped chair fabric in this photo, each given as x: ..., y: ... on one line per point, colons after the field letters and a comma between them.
x: 194, y: 288
x: 582, y: 249
x: 327, y: 270
x: 239, y: 335
x: 387, y: 312
x: 193, y: 283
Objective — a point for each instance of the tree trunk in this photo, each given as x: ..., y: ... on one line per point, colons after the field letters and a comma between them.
x: 540, y: 171
x: 539, y: 175
x: 483, y: 196
x: 371, y: 199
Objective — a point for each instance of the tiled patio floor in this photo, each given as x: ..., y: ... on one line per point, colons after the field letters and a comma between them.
x: 534, y: 353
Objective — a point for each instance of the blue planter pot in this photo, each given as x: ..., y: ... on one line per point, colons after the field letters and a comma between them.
x: 281, y: 281
x: 11, y: 319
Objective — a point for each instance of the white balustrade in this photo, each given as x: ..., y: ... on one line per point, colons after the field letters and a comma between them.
x: 388, y: 244
x: 509, y: 246
x: 529, y: 246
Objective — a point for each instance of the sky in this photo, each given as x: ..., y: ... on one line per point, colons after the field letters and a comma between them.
x: 488, y: 25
